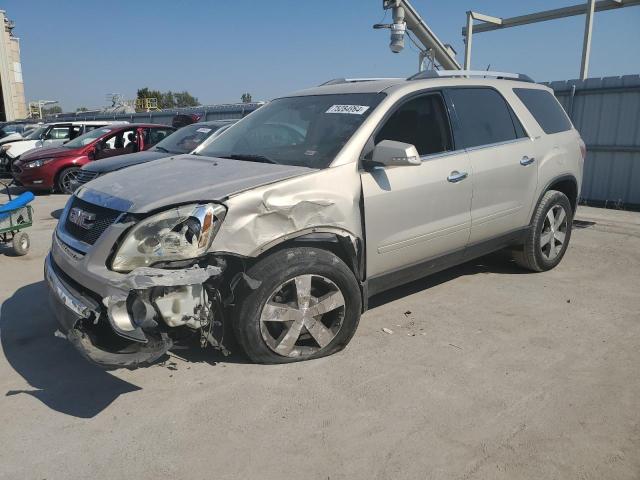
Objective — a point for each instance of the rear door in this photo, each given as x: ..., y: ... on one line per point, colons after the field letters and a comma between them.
x: 416, y: 213
x: 503, y: 161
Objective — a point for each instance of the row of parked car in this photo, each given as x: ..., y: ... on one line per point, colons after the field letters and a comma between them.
x: 60, y: 156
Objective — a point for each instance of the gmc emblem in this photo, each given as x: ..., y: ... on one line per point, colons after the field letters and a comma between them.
x: 83, y: 219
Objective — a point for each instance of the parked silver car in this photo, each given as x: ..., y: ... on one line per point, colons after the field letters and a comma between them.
x: 288, y: 223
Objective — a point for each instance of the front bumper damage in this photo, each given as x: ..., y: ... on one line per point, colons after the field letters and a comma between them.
x: 130, y: 326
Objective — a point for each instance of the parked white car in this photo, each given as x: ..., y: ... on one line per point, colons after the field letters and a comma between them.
x: 49, y: 135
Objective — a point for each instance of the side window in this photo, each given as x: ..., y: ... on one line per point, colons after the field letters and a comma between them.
x: 422, y: 122
x: 545, y: 109
x: 122, y: 139
x: 58, y: 133
x: 76, y: 131
x: 154, y: 135
x: 484, y: 117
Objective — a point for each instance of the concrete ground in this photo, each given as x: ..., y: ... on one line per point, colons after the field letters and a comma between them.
x: 490, y: 373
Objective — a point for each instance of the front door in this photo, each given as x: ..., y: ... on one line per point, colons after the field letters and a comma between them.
x: 503, y: 161
x: 416, y: 213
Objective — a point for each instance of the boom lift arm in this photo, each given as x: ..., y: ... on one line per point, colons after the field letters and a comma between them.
x: 405, y: 16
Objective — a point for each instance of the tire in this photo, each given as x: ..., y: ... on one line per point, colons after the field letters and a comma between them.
x: 545, y: 245
x: 267, y: 320
x: 21, y: 244
x: 64, y: 183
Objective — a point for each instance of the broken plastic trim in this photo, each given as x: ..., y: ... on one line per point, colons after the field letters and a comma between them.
x: 140, y: 355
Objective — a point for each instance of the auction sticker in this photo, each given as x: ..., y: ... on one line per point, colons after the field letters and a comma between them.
x: 350, y: 109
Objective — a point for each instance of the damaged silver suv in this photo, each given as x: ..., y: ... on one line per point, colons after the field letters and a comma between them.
x: 283, y: 227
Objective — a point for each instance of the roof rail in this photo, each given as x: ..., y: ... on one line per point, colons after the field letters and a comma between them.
x: 470, y: 73
x: 337, y: 81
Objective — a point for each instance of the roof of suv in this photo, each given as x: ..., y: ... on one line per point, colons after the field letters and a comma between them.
x: 395, y: 84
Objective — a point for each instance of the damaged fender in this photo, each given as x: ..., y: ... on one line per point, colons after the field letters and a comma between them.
x: 326, y: 201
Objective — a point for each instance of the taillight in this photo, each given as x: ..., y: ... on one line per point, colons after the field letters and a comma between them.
x: 583, y: 149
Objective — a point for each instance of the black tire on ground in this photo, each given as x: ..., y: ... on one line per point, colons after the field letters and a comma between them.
x: 21, y: 243
x: 64, y: 181
x: 534, y: 256
x: 277, y: 269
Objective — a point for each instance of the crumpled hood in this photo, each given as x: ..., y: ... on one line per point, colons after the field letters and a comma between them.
x: 181, y: 179
x: 122, y: 161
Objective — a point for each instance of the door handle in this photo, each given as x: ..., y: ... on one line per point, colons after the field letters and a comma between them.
x: 524, y: 161
x: 456, y: 176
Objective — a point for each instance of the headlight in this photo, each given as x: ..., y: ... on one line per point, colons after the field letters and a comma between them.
x: 37, y: 163
x: 181, y: 233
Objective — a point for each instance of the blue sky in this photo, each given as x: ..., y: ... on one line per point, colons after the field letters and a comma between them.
x: 76, y: 51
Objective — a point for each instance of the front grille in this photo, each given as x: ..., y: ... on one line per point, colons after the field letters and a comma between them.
x: 85, y: 176
x: 104, y: 218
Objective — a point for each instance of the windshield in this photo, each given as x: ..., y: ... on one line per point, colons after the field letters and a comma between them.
x: 186, y: 139
x: 7, y: 130
x: 304, y: 131
x: 35, y: 133
x: 87, y: 138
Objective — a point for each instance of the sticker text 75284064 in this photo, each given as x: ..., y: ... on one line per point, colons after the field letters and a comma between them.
x: 350, y: 109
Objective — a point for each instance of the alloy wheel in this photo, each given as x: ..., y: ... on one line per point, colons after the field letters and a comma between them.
x: 554, y: 231
x: 68, y: 180
x: 302, y: 316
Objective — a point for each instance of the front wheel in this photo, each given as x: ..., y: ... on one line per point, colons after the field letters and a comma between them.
x: 67, y: 180
x: 307, y: 306
x: 21, y: 243
x: 549, y: 235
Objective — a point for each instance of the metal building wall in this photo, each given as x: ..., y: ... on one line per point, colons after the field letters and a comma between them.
x: 606, y: 112
x: 207, y: 112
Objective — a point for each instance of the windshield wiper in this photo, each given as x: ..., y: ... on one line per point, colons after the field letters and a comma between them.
x: 249, y: 157
x: 162, y: 149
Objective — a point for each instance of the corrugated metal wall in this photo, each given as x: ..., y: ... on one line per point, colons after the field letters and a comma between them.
x: 606, y: 112
x: 208, y: 112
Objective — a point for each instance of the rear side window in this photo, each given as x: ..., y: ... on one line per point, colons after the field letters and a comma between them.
x: 422, y: 122
x: 484, y: 117
x: 545, y: 109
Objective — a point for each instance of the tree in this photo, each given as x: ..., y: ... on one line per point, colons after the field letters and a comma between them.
x: 82, y: 109
x: 169, y: 99
x: 52, y: 110
x: 246, y: 97
x: 185, y: 99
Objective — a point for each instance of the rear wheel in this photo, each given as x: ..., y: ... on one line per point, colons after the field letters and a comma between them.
x: 307, y: 306
x: 549, y: 236
x: 67, y: 179
x: 21, y: 243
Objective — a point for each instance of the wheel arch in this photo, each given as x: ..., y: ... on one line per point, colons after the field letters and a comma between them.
x: 566, y: 184
x: 345, y: 245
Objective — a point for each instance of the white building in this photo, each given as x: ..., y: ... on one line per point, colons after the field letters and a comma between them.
x: 12, y: 102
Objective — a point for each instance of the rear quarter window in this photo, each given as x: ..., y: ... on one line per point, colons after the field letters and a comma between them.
x: 545, y: 109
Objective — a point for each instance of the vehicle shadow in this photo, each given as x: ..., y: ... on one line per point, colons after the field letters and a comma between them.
x: 498, y: 262
x: 58, y: 376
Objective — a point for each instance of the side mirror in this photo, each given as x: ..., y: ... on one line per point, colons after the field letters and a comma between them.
x: 390, y: 153
x: 91, y: 154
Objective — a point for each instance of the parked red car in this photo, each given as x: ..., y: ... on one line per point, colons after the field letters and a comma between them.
x: 56, y: 168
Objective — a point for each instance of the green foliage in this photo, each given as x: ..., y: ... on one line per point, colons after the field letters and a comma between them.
x: 52, y: 110
x: 82, y: 109
x: 246, y: 97
x: 169, y: 99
